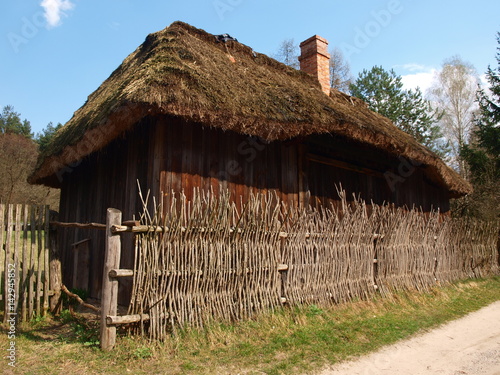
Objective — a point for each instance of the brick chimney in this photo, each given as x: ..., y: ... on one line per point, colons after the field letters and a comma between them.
x: 315, y: 59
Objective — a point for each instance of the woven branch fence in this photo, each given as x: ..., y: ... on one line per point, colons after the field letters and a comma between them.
x: 210, y: 261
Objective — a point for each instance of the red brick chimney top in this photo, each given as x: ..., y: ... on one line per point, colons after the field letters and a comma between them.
x: 315, y: 60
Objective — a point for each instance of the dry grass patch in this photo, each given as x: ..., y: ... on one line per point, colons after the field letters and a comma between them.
x: 286, y: 341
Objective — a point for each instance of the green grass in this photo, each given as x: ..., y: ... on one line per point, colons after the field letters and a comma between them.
x: 288, y: 341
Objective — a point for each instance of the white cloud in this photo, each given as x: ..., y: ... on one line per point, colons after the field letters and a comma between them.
x: 485, y: 85
x: 417, y: 75
x: 114, y: 25
x: 483, y: 78
x: 421, y: 79
x: 54, y: 10
x: 412, y: 67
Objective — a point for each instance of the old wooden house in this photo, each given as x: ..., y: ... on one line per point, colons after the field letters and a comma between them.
x: 189, y: 109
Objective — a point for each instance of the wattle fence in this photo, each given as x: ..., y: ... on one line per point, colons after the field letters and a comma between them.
x: 210, y: 261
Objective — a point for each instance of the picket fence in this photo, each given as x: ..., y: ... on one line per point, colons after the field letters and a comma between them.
x: 24, y: 260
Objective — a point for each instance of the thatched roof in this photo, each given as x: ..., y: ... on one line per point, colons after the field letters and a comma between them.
x: 185, y: 72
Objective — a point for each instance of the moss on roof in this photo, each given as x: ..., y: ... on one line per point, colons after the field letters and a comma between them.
x: 184, y: 71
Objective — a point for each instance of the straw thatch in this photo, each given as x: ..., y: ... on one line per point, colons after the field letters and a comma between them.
x: 185, y: 72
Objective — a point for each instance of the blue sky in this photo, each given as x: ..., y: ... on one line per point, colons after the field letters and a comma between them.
x: 54, y: 53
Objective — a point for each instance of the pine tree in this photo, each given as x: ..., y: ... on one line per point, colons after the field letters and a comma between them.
x: 45, y: 137
x: 10, y: 122
x: 483, y: 153
x: 383, y: 92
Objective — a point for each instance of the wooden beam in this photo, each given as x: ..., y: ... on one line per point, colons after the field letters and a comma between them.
x: 109, y: 301
x: 79, y: 225
x: 121, y: 273
x: 80, y: 242
x: 282, y: 267
x: 126, y: 319
x: 137, y: 229
x: 131, y: 223
x: 117, y: 229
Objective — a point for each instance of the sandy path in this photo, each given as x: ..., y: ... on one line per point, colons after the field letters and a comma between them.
x: 468, y: 346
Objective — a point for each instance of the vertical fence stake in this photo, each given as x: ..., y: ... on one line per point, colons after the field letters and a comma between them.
x: 38, y: 283
x: 17, y: 259
x: 109, y: 300
x: 284, y: 274
x: 55, y: 272
x: 32, y: 257
x: 24, y: 277
x: 2, y: 265
x: 7, y: 262
x: 375, y: 263
x: 46, y: 260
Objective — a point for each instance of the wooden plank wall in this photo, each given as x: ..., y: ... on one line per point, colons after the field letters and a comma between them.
x: 167, y: 154
x: 212, y: 159
x: 368, y: 173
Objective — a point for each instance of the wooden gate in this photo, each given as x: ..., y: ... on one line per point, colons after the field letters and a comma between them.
x: 24, y: 260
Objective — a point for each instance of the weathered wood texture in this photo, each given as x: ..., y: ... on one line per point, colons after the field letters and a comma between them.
x: 167, y: 155
x: 109, y: 300
x: 215, y: 261
x: 24, y: 260
x: 81, y: 260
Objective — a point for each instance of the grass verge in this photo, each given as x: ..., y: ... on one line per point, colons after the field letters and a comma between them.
x: 288, y: 341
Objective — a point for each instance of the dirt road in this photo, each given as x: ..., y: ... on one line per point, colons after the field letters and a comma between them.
x: 468, y: 346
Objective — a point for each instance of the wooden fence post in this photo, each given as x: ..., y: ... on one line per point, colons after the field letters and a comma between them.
x: 283, y: 271
x: 40, y: 258
x: 17, y: 249
x: 109, y: 299
x: 55, y: 272
x: 46, y: 260
x: 2, y: 248
x: 32, y: 257
x: 8, y: 261
x: 24, y: 277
